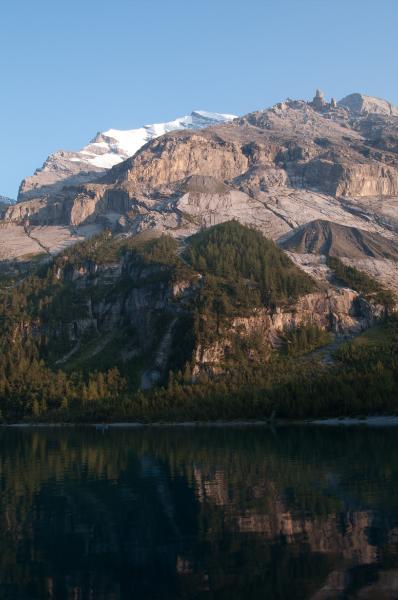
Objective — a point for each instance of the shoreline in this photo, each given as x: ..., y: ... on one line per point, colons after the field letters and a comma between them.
x: 375, y: 421
x: 371, y: 421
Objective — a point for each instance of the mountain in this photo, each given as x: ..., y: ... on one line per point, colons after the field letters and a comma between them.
x: 361, y: 104
x: 105, y: 150
x: 5, y: 200
x: 302, y: 150
x: 113, y: 146
x: 201, y: 289
x: 4, y: 204
x: 224, y: 312
x: 333, y: 239
x: 276, y: 169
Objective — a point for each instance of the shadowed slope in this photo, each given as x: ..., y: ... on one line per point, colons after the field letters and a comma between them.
x: 333, y: 239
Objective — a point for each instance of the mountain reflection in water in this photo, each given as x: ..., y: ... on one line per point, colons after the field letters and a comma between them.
x: 298, y: 512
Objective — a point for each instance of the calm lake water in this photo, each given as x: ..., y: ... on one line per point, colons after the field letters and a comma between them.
x: 226, y: 513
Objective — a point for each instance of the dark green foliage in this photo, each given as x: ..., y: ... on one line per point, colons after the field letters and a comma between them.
x: 228, y: 270
x: 360, y: 282
x: 162, y: 250
x: 305, y: 338
x: 184, y: 342
x: 104, y: 248
x: 35, y: 315
x: 241, y: 270
x: 364, y: 381
x: 254, y: 269
x: 27, y: 387
x: 101, y: 248
x: 38, y: 312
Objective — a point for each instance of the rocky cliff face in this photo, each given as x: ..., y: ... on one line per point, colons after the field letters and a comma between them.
x: 177, y: 156
x: 341, y: 311
x: 362, y: 104
x: 5, y: 202
x: 276, y: 169
x: 123, y: 313
x: 142, y: 316
x: 333, y: 149
x: 106, y: 149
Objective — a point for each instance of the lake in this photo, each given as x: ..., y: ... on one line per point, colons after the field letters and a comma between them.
x: 205, y: 512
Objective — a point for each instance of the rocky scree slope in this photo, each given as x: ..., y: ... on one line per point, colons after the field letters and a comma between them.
x: 332, y: 239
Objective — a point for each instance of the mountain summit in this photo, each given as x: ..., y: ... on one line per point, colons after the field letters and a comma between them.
x: 105, y: 150
x: 181, y: 277
x: 362, y: 104
x: 276, y: 169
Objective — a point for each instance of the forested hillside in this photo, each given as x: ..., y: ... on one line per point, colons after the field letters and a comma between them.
x: 121, y: 327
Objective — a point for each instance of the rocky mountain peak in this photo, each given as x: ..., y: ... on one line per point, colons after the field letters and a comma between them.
x: 106, y: 149
x: 361, y: 104
x: 319, y: 162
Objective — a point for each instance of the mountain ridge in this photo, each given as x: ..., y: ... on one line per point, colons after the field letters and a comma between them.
x: 179, y: 301
x: 333, y: 239
x: 209, y: 324
x: 275, y: 169
x: 361, y: 103
x: 105, y: 150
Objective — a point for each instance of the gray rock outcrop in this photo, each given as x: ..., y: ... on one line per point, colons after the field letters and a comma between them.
x: 362, y: 104
x: 333, y: 239
x: 276, y: 169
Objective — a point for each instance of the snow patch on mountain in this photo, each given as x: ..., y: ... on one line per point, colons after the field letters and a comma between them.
x: 111, y: 147
x: 106, y: 150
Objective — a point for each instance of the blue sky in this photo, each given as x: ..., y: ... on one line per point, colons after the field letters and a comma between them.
x: 70, y: 69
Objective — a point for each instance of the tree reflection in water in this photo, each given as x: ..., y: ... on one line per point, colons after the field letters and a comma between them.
x: 168, y: 513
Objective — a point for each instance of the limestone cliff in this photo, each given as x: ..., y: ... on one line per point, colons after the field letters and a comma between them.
x: 276, y: 169
x: 106, y: 149
x: 341, y: 311
x: 333, y: 149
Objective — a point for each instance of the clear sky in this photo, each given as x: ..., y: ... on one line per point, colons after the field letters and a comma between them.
x: 71, y: 68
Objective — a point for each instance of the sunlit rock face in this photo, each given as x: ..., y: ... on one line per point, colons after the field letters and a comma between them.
x: 362, y: 104
x: 339, y: 311
x: 276, y: 169
x: 106, y: 149
x: 333, y: 149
